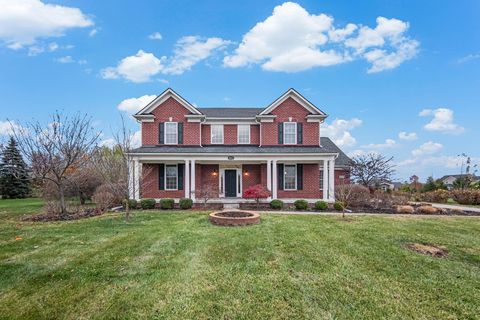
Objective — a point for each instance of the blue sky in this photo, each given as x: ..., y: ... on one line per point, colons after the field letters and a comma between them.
x: 378, y: 68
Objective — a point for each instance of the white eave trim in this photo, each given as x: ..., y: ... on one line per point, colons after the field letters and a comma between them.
x: 292, y: 93
x: 169, y: 93
x: 316, y: 118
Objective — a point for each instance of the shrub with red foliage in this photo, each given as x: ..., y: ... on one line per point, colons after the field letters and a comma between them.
x: 256, y: 192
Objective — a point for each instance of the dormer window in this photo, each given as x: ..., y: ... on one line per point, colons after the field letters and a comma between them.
x: 216, y: 133
x: 290, y: 133
x: 171, y: 132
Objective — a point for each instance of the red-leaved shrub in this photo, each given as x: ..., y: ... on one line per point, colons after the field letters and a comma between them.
x: 256, y: 192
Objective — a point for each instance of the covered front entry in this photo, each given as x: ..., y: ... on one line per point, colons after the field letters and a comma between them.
x: 230, y: 183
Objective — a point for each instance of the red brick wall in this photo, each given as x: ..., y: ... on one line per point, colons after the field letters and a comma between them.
x: 204, y: 177
x: 255, y: 134
x: 230, y: 134
x: 149, y: 185
x: 342, y: 177
x: 254, y: 175
x: 290, y: 108
x: 311, y: 184
x: 170, y: 108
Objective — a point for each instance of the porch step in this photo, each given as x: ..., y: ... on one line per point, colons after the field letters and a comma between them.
x: 231, y: 206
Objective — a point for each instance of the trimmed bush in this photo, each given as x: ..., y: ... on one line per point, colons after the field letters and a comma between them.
x: 132, y: 203
x: 147, y: 204
x: 352, y: 195
x: 301, y: 205
x: 466, y: 196
x: 338, y: 205
x: 437, y: 196
x: 185, y: 203
x: 427, y: 210
x: 276, y: 204
x: 321, y: 205
x: 167, y: 204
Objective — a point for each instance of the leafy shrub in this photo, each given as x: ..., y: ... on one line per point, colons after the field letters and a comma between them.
x: 256, y: 192
x: 185, y: 203
x: 167, y: 204
x: 132, y: 203
x: 301, y: 204
x: 338, y: 205
x: 466, y: 196
x: 352, y: 195
x: 400, y: 197
x: 437, y: 196
x: 276, y: 204
x: 147, y: 204
x: 321, y: 205
x: 103, y: 200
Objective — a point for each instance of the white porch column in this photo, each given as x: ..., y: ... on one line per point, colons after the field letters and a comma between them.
x: 269, y: 177
x: 275, y: 179
x: 131, y: 178
x: 192, y: 181
x: 138, y: 179
x: 331, y: 180
x: 325, y: 180
x: 187, y: 179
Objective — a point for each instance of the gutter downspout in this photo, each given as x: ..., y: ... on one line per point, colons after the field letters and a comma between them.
x: 260, y: 124
x: 200, y: 125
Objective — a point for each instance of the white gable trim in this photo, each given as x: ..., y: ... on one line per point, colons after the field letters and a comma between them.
x: 169, y: 93
x: 292, y: 93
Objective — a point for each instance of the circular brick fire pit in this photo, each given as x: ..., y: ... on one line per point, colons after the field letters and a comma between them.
x: 234, y: 218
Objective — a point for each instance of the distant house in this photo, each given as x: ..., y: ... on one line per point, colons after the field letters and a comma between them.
x: 388, y: 185
x: 449, y: 180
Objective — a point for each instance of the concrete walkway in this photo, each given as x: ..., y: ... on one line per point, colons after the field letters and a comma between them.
x: 453, y: 207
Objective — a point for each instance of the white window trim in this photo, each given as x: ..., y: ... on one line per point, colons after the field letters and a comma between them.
x: 165, y: 175
x: 165, y: 132
x: 285, y: 132
x: 285, y: 174
x: 321, y: 174
x: 211, y: 133
x: 238, y: 133
x: 221, y: 181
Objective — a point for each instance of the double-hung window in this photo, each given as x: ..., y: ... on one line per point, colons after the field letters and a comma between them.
x: 321, y: 179
x: 290, y: 177
x: 171, y: 177
x: 216, y: 133
x: 243, y: 133
x: 290, y: 133
x: 171, y: 132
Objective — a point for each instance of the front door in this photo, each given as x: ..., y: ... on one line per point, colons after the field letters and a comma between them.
x: 230, y: 183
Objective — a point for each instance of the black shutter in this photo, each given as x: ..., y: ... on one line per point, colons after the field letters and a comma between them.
x: 299, y: 133
x: 181, y: 168
x: 299, y: 176
x: 180, y: 132
x: 161, y: 135
x: 161, y: 176
x: 280, y: 133
x: 280, y: 174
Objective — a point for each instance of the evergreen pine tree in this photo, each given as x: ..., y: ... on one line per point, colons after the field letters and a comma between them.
x: 430, y: 185
x: 14, y: 179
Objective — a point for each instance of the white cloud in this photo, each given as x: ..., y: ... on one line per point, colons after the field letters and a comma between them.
x: 292, y: 40
x: 410, y: 136
x: 110, y: 142
x: 66, y: 59
x: 155, y: 36
x: 339, y: 131
x: 190, y: 50
x: 22, y: 22
x: 133, y: 105
x: 469, y: 57
x: 138, y: 68
x: 7, y: 128
x: 136, y: 140
x: 93, y: 32
x: 389, y: 143
x: 427, y: 148
x: 442, y: 121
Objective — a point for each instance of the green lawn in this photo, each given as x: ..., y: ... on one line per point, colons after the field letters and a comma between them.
x: 177, y: 265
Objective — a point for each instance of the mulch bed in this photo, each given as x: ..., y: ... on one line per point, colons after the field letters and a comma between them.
x: 234, y: 214
x: 428, y: 249
x: 88, y: 213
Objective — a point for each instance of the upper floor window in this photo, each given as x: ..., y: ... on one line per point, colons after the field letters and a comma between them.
x: 171, y: 133
x: 289, y: 132
x: 243, y: 134
x: 216, y: 133
x: 171, y: 177
x: 290, y: 181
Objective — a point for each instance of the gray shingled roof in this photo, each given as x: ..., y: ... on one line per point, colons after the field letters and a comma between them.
x: 327, y: 147
x: 231, y: 112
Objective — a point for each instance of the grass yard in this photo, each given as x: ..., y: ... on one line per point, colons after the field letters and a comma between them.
x: 177, y: 265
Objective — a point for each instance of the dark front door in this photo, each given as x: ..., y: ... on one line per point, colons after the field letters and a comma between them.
x: 230, y: 183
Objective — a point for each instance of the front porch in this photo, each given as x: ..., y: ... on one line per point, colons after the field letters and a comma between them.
x: 223, y: 178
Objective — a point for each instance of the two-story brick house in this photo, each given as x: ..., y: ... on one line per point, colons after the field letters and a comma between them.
x: 186, y: 150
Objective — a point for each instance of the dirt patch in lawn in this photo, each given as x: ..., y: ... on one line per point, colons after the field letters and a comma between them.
x: 65, y: 217
x: 428, y: 249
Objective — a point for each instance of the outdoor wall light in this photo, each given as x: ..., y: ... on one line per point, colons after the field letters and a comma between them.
x: 214, y: 173
x: 246, y: 173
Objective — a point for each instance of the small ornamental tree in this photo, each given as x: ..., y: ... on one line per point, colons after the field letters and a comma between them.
x: 256, y: 192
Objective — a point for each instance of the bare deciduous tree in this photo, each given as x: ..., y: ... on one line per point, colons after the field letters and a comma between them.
x: 53, y: 150
x: 206, y: 193
x: 370, y: 168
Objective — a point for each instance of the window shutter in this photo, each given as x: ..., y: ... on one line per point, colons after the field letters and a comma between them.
x: 299, y: 133
x: 161, y: 176
x: 161, y: 133
x: 299, y: 176
x: 280, y: 174
x: 280, y: 133
x: 181, y: 168
x: 180, y: 132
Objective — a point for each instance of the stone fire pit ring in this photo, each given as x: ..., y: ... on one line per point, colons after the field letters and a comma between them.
x: 234, y: 218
